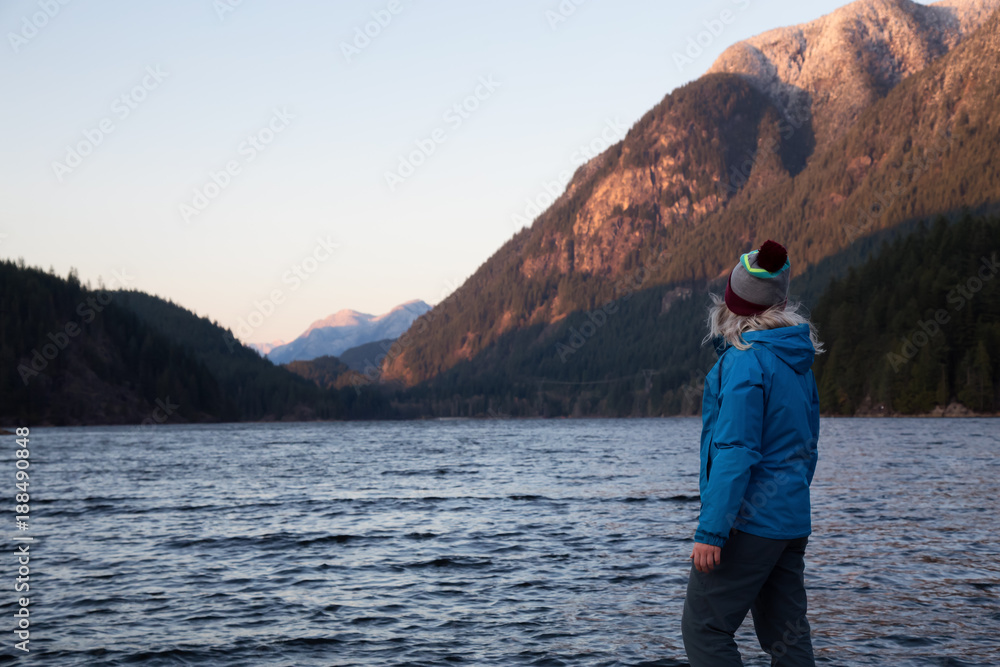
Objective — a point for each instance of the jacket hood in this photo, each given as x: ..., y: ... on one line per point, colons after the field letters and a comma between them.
x: 790, y: 344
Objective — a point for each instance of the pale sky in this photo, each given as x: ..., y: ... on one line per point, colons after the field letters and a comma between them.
x: 224, y: 153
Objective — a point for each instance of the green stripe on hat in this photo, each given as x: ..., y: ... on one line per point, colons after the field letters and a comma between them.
x: 758, y: 272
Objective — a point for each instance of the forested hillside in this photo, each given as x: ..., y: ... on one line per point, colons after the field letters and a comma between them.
x: 911, y: 320
x: 328, y: 373
x: 643, y: 355
x: 75, y: 355
x: 258, y: 388
x: 72, y: 355
x: 916, y: 327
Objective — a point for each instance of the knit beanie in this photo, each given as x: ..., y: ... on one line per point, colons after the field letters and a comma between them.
x: 759, y: 281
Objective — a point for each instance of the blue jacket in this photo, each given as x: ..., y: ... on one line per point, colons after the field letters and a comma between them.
x: 760, y: 425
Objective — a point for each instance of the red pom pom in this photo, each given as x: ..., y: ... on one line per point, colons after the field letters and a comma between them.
x: 771, y: 256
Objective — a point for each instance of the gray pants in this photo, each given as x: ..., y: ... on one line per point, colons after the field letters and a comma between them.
x: 759, y: 575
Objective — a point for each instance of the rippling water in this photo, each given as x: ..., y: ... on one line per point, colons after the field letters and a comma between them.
x: 483, y: 543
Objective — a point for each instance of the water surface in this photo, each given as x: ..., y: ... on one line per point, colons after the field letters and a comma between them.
x: 494, y: 542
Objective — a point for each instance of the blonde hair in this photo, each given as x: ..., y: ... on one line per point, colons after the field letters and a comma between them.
x: 724, y: 322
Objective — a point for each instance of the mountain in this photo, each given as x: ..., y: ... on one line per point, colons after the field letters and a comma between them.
x: 641, y: 355
x: 265, y: 348
x: 366, y: 356
x: 719, y: 166
x: 833, y: 68
x: 346, y: 329
x: 354, y: 367
x: 325, y: 372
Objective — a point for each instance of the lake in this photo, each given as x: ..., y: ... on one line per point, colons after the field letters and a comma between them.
x: 498, y: 542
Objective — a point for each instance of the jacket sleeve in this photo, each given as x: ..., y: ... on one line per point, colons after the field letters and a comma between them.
x: 735, y: 447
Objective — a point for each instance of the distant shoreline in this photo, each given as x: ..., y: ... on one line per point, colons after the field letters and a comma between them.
x: 937, y: 414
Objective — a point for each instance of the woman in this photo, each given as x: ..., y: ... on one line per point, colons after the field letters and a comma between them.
x: 760, y: 413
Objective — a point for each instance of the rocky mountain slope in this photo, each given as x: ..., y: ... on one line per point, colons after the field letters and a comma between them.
x: 878, y: 113
x: 831, y: 69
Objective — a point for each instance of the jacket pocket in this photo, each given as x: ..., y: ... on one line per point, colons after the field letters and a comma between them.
x: 712, y: 449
